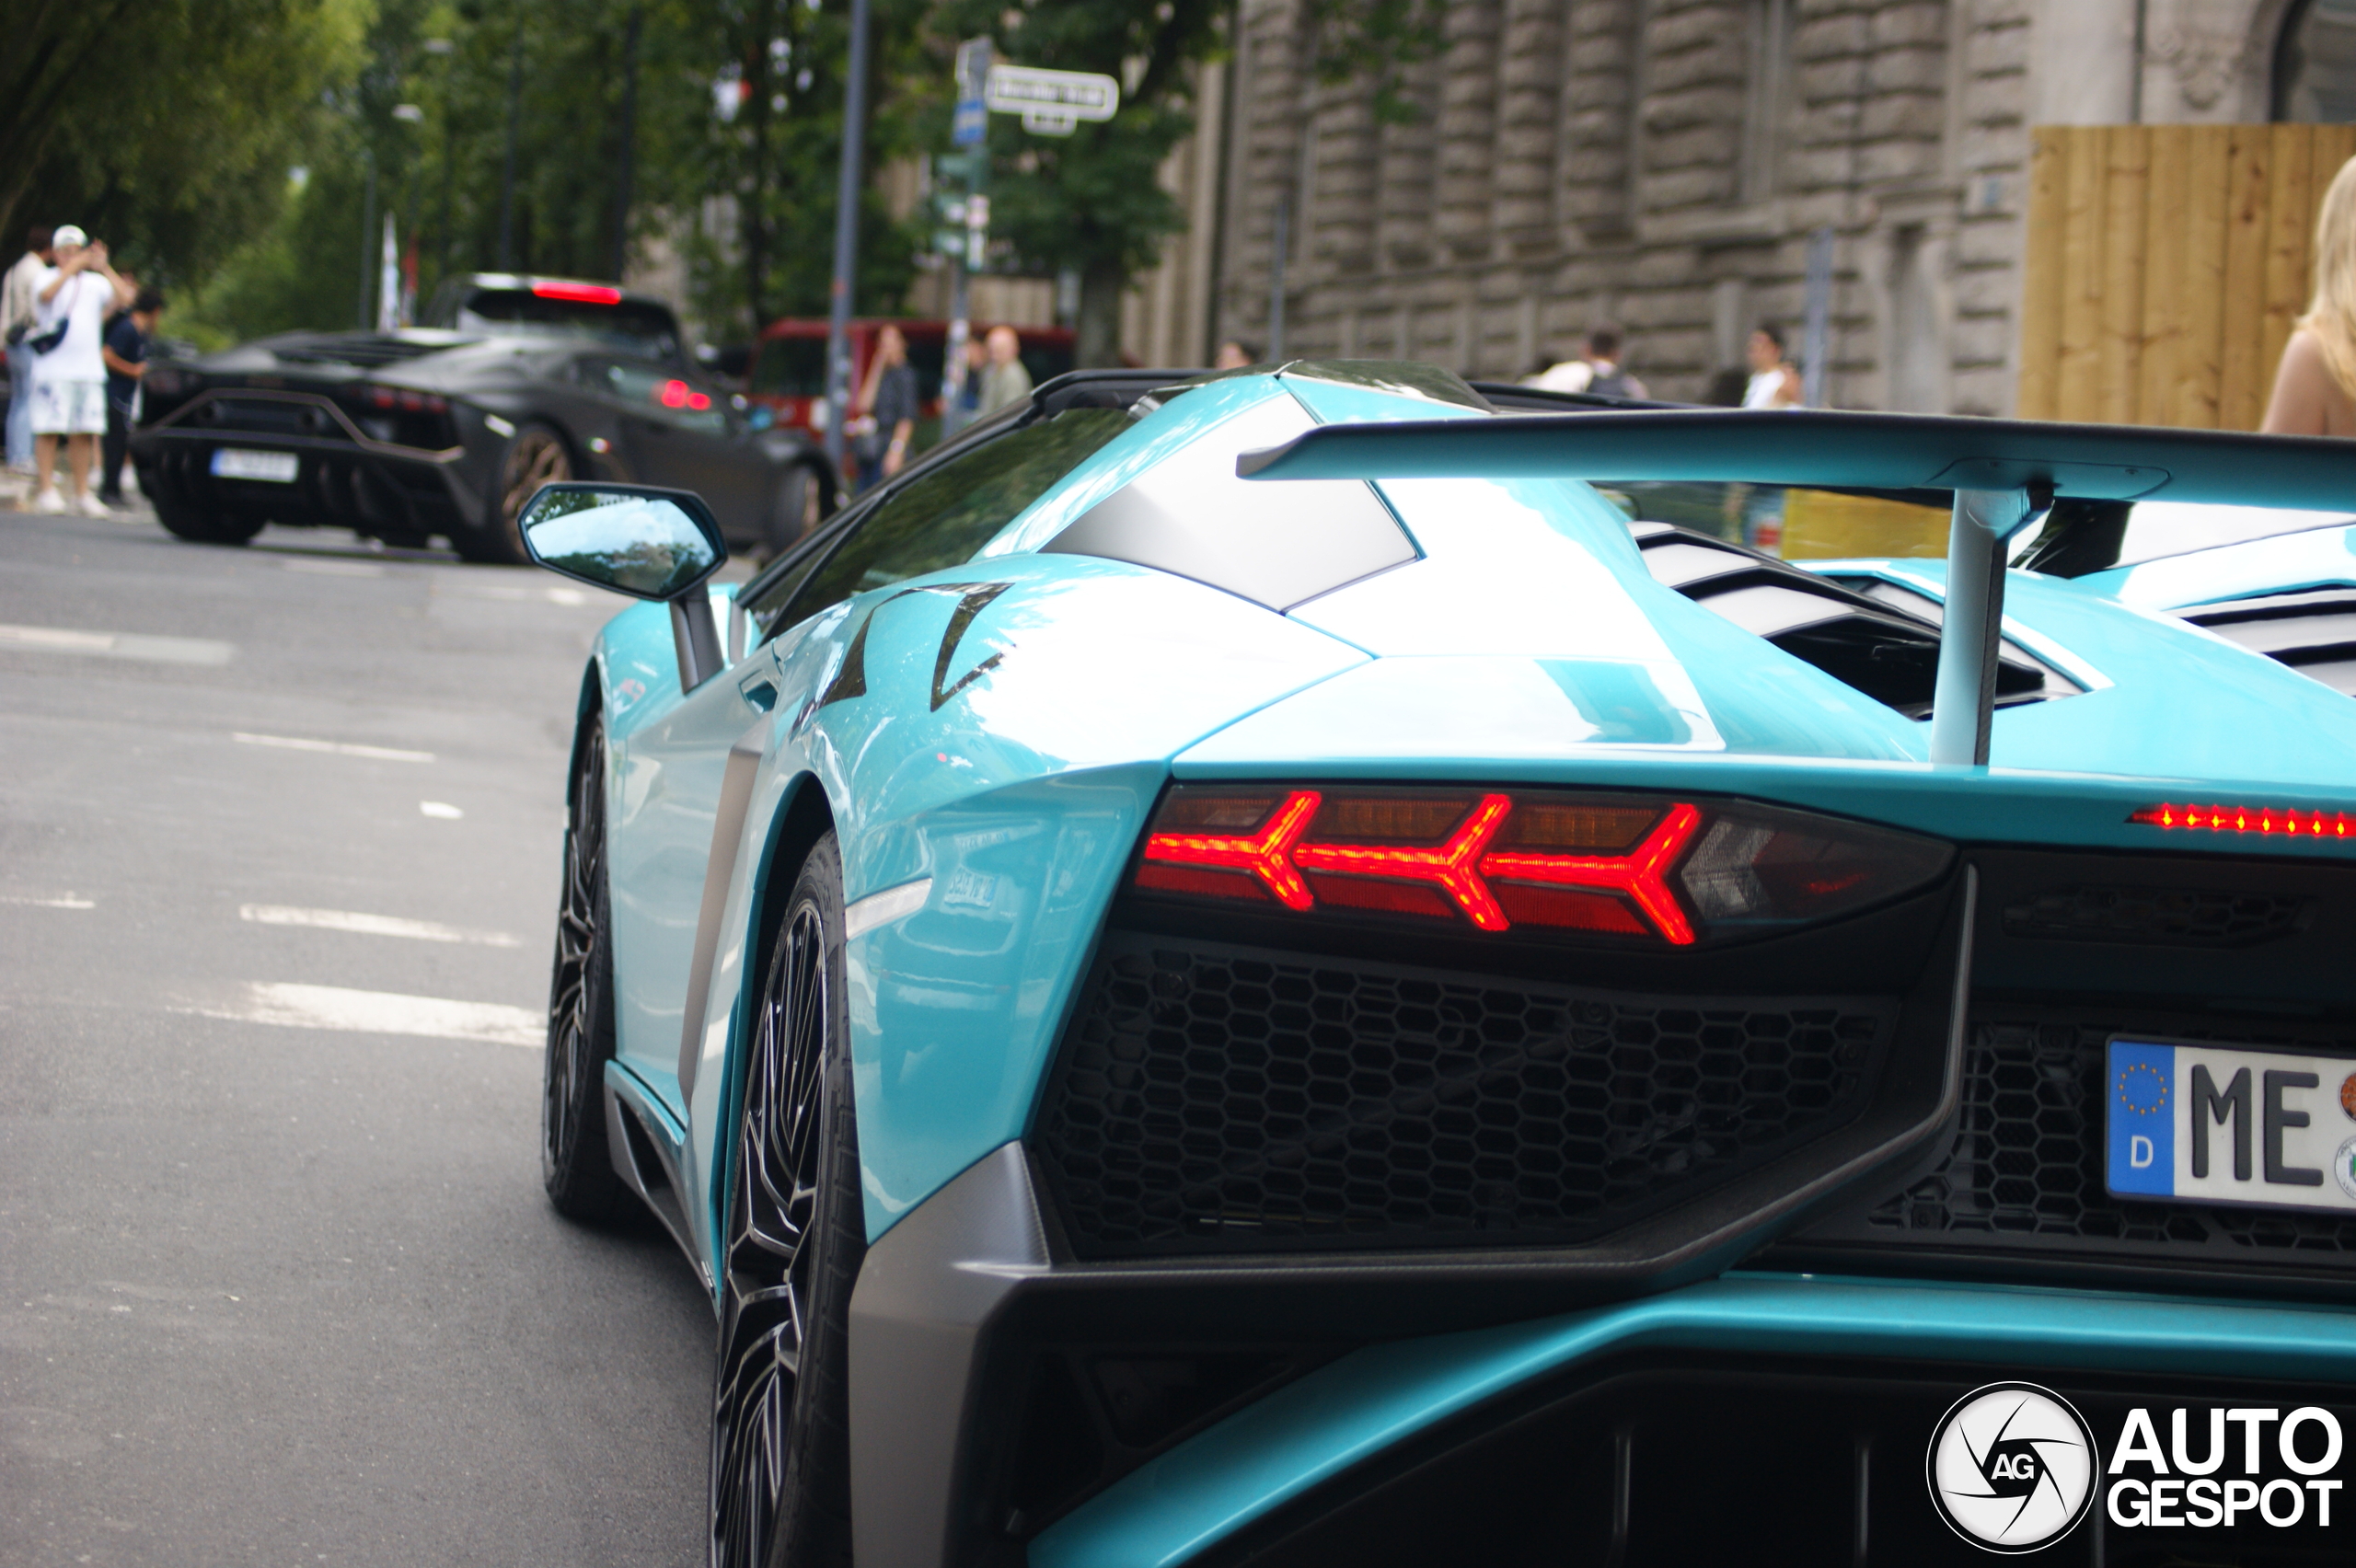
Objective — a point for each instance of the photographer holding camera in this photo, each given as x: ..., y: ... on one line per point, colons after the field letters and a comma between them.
x: 69, y: 373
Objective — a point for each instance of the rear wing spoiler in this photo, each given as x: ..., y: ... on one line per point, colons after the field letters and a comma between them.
x: 2003, y: 473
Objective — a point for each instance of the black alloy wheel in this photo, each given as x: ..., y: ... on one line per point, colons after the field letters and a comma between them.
x: 576, y: 1162
x: 535, y: 456
x: 780, y: 1432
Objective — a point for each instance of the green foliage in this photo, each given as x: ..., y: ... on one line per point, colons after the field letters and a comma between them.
x: 776, y: 164
x: 164, y: 127
x: 1090, y: 201
x: 1378, y: 38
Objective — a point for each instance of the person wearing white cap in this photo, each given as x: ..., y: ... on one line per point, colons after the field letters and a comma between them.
x: 71, y: 303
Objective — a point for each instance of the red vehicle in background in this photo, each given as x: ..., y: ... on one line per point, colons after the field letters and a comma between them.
x: 788, y: 371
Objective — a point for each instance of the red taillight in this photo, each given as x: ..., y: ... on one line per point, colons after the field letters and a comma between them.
x: 2287, y: 821
x: 1641, y: 873
x: 1197, y: 863
x: 403, y: 398
x: 1613, y: 864
x: 679, y: 395
x: 579, y: 293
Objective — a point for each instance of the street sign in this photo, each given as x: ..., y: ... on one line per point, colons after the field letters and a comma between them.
x: 1052, y: 103
x: 969, y: 125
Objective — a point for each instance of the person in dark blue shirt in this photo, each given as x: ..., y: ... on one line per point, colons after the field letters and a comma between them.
x: 126, y: 350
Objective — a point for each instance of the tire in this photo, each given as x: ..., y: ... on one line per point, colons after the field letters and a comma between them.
x: 793, y: 1243
x: 798, y: 508
x: 535, y: 456
x: 184, y: 522
x: 576, y: 1160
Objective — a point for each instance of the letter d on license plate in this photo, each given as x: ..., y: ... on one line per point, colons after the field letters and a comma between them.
x: 2228, y: 1124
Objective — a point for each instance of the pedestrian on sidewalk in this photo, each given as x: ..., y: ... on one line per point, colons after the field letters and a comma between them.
x: 16, y: 292
x: 1006, y: 382
x: 1774, y: 381
x: 2314, y: 386
x: 884, y: 423
x: 1599, y: 371
x: 125, y: 352
x: 69, y: 373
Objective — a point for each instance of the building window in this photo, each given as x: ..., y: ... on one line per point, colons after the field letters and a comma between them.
x: 2314, y: 63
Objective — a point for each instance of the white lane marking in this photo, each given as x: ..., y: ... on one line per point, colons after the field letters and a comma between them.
x: 370, y: 925
x: 380, y: 1012
x: 442, y: 811
x: 38, y: 902
x: 883, y: 908
x: 341, y: 748
x: 335, y: 568
x: 116, y: 645
x: 57, y: 638
x: 505, y: 595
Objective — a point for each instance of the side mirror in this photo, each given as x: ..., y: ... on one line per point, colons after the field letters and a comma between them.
x: 659, y: 545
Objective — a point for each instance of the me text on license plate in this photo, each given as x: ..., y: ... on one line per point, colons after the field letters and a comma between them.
x: 2229, y: 1124
x: 235, y: 463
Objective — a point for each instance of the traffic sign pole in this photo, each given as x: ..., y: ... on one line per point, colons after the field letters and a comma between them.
x: 846, y: 191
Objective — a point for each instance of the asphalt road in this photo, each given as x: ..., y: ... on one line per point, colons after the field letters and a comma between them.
x: 280, y: 830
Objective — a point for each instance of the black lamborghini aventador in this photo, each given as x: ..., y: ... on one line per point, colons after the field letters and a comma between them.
x: 447, y: 429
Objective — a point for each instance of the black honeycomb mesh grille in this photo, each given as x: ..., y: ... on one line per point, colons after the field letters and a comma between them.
x: 2026, y: 1172
x: 2180, y: 917
x: 1212, y: 1099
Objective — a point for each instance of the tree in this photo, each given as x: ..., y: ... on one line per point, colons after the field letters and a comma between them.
x: 183, y: 167
x: 773, y: 157
x: 1092, y: 201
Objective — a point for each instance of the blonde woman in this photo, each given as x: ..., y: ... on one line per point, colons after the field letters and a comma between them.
x: 2313, y: 387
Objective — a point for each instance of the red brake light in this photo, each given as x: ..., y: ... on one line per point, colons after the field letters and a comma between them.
x: 672, y: 394
x: 1641, y: 873
x: 579, y: 293
x: 1621, y: 865
x: 2288, y: 821
x: 1263, y: 855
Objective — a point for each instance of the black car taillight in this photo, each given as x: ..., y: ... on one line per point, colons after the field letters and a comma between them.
x: 1635, y: 866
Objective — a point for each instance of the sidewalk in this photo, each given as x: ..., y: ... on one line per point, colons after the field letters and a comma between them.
x: 17, y: 494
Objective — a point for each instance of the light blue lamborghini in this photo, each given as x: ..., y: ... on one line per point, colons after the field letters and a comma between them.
x: 1260, y: 969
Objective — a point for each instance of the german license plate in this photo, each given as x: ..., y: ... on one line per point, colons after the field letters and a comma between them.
x: 236, y: 463
x: 2229, y: 1124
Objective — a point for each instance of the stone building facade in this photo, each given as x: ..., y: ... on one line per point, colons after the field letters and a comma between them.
x: 1662, y: 164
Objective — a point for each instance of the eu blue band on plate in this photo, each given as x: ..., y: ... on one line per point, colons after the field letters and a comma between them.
x: 2141, y: 1113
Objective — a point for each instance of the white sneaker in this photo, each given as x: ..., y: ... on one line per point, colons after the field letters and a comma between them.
x: 49, y: 500
x: 89, y: 505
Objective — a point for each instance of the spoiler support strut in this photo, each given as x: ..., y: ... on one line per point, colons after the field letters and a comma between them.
x: 1964, y: 701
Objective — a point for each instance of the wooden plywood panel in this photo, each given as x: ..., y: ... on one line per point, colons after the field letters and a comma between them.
x: 2166, y: 266
x: 2079, y: 379
x: 2119, y: 349
x: 2243, y: 373
x: 2199, y: 358
x: 2166, y: 169
x: 2292, y: 196
x: 2041, y: 322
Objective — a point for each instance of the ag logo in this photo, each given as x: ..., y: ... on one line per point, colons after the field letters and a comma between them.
x: 2012, y: 1467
